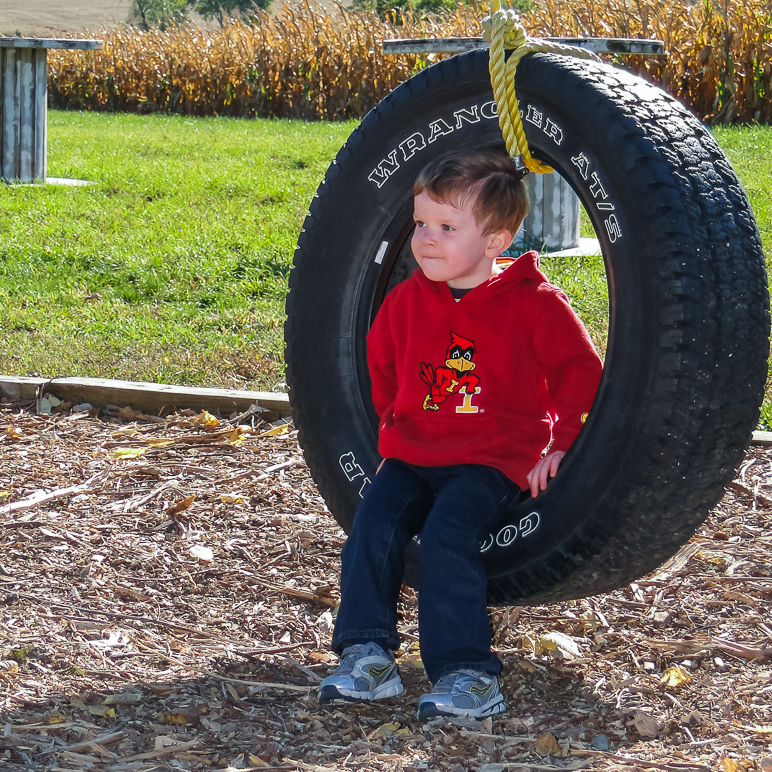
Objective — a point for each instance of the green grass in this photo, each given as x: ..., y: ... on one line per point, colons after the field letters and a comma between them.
x: 750, y: 151
x: 172, y: 265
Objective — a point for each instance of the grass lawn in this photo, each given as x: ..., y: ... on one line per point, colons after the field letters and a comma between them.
x: 172, y: 265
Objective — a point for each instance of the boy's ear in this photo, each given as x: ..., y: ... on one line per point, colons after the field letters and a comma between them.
x: 499, y: 242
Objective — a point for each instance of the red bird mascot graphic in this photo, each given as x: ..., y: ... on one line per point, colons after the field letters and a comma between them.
x: 454, y: 376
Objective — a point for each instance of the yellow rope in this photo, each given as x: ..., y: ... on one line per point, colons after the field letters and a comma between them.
x: 504, y: 32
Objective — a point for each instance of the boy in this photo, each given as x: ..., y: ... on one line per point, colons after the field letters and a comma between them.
x: 476, y: 369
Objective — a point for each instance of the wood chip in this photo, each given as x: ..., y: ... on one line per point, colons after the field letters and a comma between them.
x: 120, y: 649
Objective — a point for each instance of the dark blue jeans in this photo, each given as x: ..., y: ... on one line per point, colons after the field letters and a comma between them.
x: 450, y: 507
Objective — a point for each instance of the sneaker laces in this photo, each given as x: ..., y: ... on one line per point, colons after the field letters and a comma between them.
x: 352, y: 655
x: 447, y: 682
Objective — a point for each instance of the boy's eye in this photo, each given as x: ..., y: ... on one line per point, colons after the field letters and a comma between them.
x: 448, y: 228
x: 420, y: 224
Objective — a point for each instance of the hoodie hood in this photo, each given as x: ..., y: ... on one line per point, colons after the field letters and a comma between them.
x: 512, y: 271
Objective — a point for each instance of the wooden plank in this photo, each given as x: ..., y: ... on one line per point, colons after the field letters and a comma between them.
x: 621, y: 46
x: 762, y: 438
x: 10, y: 127
x: 19, y: 389
x: 2, y: 112
x: 26, y: 114
x: 82, y: 44
x: 149, y: 398
x: 40, y: 160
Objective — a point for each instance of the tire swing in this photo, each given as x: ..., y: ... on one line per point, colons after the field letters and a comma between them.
x: 686, y: 359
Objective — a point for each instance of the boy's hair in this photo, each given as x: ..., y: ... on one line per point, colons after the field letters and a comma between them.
x: 490, y: 180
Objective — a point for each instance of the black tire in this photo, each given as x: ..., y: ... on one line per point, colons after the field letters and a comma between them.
x: 688, y: 338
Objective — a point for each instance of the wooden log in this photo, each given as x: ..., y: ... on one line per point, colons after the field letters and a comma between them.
x: 149, y: 398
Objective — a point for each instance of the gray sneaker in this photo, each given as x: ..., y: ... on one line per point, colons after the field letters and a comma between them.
x: 467, y: 693
x: 366, y: 672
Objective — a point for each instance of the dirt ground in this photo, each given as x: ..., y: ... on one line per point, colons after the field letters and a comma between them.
x: 54, y: 18
x: 74, y: 18
x: 166, y: 598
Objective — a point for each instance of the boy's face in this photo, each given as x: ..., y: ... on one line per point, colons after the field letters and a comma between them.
x: 449, y: 245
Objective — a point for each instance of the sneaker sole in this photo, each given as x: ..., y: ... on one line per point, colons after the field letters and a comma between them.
x: 332, y: 694
x: 429, y: 710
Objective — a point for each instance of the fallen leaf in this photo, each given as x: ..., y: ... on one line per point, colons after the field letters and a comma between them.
x: 387, y: 729
x: 230, y: 498
x: 276, y: 431
x: 529, y: 643
x: 590, y: 621
x: 711, y: 557
x: 95, y: 710
x: 675, y: 677
x: 160, y: 443
x: 644, y: 724
x: 411, y: 660
x: 124, y: 698
x: 547, y: 745
x: 560, y: 643
x: 764, y: 729
x: 124, y: 453
x: 202, y: 553
x: 730, y: 765
x: 181, y: 505
x: 181, y: 717
x: 205, y: 418
x: 235, y: 437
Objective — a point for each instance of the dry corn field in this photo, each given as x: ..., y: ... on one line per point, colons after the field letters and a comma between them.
x: 305, y: 62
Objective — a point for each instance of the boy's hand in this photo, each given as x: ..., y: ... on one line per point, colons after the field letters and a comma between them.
x: 547, y: 467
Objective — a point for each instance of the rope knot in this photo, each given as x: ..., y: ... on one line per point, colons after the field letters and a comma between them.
x: 503, y: 30
x: 507, y: 23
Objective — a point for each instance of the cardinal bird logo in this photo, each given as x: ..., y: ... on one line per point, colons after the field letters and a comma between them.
x: 454, y: 377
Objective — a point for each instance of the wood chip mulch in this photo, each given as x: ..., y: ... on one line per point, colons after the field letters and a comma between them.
x: 167, y: 589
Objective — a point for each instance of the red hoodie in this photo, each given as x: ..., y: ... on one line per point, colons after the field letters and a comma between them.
x: 490, y: 379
